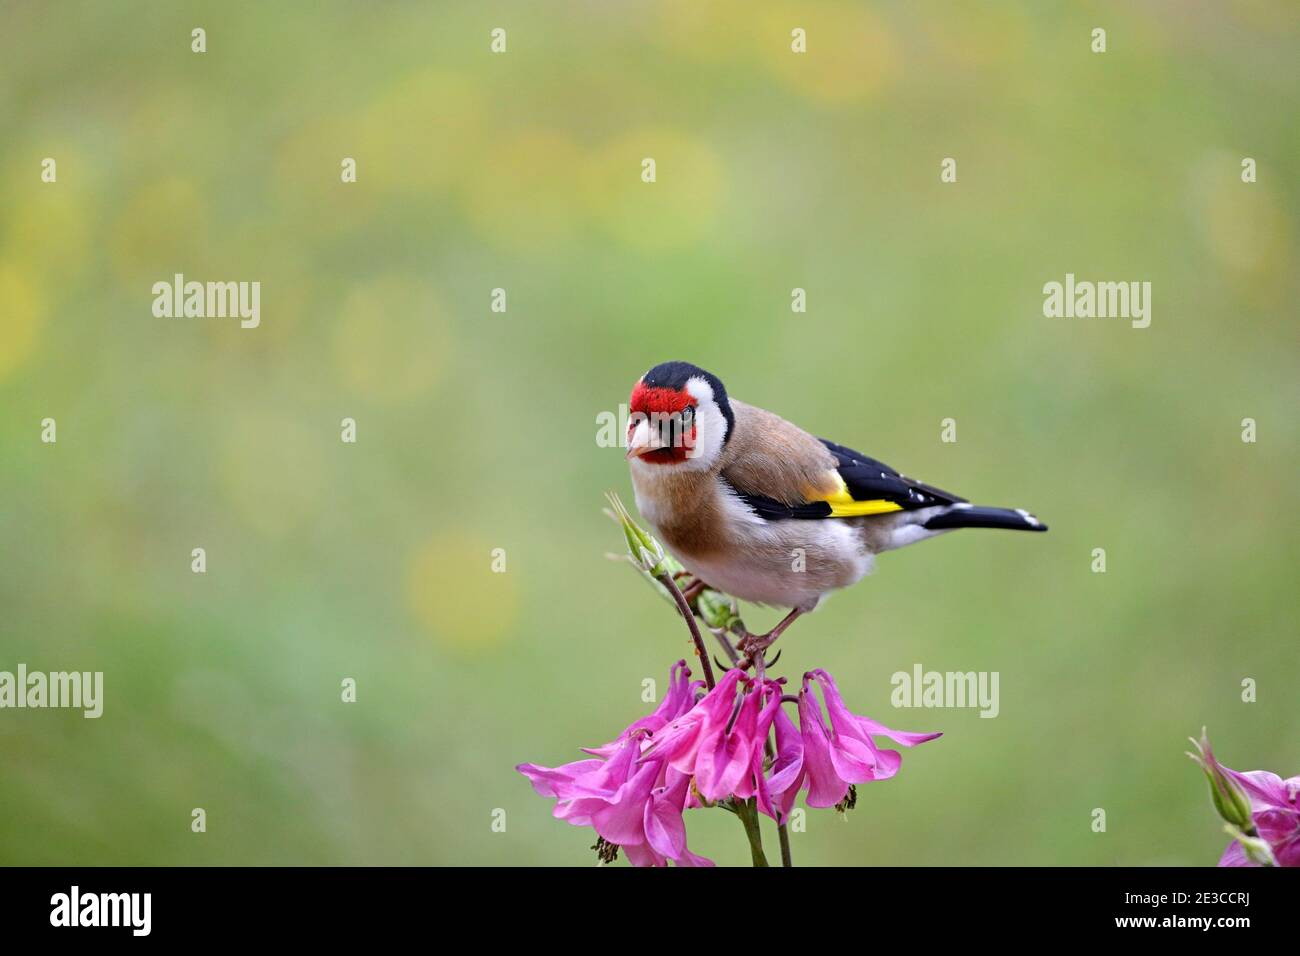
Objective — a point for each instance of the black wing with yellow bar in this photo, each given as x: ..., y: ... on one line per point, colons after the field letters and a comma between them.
x: 863, y: 486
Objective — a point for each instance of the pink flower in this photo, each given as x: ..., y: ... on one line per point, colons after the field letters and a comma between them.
x: 690, y: 753
x: 631, y: 801
x: 1275, y: 810
x: 1260, y: 811
x: 845, y: 754
x: 681, y: 740
x: 665, y: 831
x: 729, y: 756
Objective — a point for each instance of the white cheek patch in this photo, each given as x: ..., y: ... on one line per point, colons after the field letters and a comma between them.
x: 699, y: 389
x: 710, y: 427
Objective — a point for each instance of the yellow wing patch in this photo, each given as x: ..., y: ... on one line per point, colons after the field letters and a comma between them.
x: 843, y: 504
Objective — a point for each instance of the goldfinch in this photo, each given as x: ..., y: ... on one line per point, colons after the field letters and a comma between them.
x: 759, y: 508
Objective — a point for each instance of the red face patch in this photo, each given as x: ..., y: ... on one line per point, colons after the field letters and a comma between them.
x: 663, y: 400
x: 663, y: 406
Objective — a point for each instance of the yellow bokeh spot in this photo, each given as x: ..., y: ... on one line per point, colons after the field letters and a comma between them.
x: 421, y: 132
x: 456, y: 596
x: 522, y: 195
x: 22, y: 311
x: 49, y: 232
x: 715, y: 31
x: 162, y: 230
x: 309, y: 177
x: 391, y: 339
x: 983, y: 36
x: 852, y: 54
x: 679, y: 208
x: 1243, y: 224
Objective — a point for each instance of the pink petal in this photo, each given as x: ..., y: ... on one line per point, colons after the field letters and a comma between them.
x: 1234, y: 855
x: 859, y: 762
x: 642, y: 854
x: 825, y: 787
x: 1267, y: 791
x: 904, y: 738
x: 683, y: 739
x: 664, y: 828
x: 622, y: 820
x: 606, y: 778
x: 556, y: 781
x: 720, y: 768
x: 789, y: 753
x: 778, y: 792
x: 1288, y: 854
x: 691, y: 859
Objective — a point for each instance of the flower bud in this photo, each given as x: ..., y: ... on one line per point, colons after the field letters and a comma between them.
x: 1228, y: 798
x: 647, y: 553
x: 717, y: 609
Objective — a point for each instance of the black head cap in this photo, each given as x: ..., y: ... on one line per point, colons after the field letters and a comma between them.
x: 676, y: 374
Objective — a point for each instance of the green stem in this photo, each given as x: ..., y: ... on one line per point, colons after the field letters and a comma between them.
x: 748, y: 813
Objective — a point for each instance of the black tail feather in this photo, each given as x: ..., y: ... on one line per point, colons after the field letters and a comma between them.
x: 970, y: 516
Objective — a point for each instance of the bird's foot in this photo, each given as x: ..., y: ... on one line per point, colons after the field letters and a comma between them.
x: 753, y: 646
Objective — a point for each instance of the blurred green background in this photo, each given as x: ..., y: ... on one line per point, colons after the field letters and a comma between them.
x: 476, y: 430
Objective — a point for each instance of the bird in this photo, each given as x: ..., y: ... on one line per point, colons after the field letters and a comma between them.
x: 756, y: 507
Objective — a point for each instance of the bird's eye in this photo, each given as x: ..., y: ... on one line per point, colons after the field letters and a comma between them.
x: 688, y: 414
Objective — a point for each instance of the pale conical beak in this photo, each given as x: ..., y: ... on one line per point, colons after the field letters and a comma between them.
x: 639, y: 442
